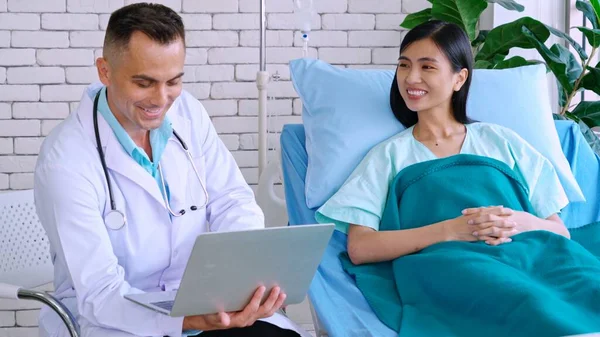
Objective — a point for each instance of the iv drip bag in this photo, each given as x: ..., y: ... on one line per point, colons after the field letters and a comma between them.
x: 303, y: 10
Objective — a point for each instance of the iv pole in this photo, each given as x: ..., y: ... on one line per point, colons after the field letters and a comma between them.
x: 273, y: 206
x: 262, y: 81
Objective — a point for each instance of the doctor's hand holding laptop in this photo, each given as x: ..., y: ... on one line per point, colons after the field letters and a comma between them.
x: 233, y: 278
x: 256, y: 309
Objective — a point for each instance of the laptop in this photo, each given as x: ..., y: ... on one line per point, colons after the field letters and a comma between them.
x: 226, y: 268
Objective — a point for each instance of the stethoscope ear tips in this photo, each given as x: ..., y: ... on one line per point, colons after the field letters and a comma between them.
x: 193, y: 208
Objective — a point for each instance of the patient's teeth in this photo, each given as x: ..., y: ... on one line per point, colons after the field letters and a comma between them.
x: 417, y: 92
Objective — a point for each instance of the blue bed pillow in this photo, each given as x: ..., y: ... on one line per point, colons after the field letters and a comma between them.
x: 346, y: 112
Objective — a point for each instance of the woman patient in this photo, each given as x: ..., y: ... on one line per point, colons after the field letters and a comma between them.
x: 429, y: 97
x: 452, y: 225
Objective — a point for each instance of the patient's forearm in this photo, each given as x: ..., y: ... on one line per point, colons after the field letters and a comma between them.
x: 367, y: 246
x: 552, y: 224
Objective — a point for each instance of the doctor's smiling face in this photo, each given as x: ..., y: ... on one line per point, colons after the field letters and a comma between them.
x: 142, y: 69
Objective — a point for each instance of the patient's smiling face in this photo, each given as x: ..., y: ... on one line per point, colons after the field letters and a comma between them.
x: 425, y: 77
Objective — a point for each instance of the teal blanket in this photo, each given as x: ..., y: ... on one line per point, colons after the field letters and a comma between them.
x: 541, y: 284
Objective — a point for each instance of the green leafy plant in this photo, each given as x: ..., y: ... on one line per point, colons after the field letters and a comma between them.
x: 573, y: 71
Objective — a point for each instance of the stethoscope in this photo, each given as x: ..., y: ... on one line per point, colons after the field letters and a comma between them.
x: 115, y: 219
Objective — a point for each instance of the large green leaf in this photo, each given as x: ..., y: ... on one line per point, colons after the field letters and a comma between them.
x: 596, y: 6
x: 464, y: 13
x: 509, y: 4
x: 483, y: 64
x: 592, y: 35
x: 582, y: 54
x: 415, y: 19
x: 480, y: 38
x: 586, y: 8
x: 591, y: 81
x: 554, y: 61
x: 490, y: 64
x: 514, y: 62
x: 572, y: 117
x: 574, y: 69
x: 588, y: 112
x: 562, y: 95
x: 504, y: 37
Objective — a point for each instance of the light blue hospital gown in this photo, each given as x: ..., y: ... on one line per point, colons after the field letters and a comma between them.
x: 362, y: 198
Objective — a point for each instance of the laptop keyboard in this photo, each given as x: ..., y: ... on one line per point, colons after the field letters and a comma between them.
x: 167, y: 305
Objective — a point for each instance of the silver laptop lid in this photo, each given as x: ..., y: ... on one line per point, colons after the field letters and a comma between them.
x: 283, y: 256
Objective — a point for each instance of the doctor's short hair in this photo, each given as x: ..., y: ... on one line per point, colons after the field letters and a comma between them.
x: 160, y: 23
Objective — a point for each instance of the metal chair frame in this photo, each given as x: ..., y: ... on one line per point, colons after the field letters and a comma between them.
x: 25, y: 255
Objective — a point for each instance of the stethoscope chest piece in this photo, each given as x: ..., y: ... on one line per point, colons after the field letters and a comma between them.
x: 114, y: 220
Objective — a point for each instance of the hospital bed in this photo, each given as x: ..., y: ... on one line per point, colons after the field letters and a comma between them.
x: 340, y: 308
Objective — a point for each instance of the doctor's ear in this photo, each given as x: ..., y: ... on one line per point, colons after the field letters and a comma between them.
x: 103, y: 70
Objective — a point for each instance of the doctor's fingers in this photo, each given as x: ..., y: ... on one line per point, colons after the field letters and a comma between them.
x: 268, y: 306
x: 218, y: 321
x: 276, y: 306
x: 272, y: 304
x: 249, y: 315
x: 267, y: 309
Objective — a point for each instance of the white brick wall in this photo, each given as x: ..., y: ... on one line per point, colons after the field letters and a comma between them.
x: 348, y: 21
x: 69, y: 21
x: 7, y: 318
x: 19, y: 21
x: 4, y: 39
x: 48, y: 48
x: 17, y: 57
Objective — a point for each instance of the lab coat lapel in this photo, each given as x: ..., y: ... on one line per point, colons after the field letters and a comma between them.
x: 117, y: 160
x: 121, y: 162
x: 175, y: 163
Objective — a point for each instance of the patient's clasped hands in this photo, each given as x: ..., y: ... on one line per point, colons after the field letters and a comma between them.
x: 494, y: 225
x: 252, y: 312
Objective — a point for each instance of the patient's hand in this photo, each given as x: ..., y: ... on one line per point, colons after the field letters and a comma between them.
x: 491, y: 222
x: 461, y: 229
x: 251, y: 313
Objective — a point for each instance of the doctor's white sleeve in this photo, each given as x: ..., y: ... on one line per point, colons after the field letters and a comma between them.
x: 68, y: 207
x: 232, y: 205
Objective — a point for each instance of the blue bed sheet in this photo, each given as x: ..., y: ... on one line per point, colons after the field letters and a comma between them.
x: 585, y: 165
x: 341, y: 308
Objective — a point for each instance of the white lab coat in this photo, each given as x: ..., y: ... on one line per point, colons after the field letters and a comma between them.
x: 95, y: 266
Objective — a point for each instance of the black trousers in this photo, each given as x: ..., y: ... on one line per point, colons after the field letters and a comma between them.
x: 258, y: 329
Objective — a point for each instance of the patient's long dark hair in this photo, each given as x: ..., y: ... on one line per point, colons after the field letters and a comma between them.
x: 454, y: 43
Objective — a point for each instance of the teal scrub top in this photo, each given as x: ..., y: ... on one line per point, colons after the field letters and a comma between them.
x: 158, y: 139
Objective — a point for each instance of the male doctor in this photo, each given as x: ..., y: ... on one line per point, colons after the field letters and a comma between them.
x: 121, y: 200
